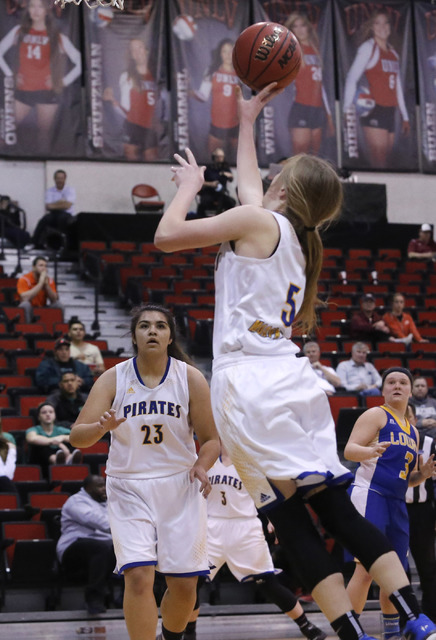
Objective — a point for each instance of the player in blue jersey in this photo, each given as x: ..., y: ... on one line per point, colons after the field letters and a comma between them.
x: 270, y: 413
x: 152, y: 404
x: 385, y: 445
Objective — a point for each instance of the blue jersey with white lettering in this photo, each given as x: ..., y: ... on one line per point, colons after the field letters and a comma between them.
x: 389, y: 474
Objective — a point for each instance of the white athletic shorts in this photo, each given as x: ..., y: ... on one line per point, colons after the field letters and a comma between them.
x: 159, y: 521
x: 275, y: 422
x: 239, y: 542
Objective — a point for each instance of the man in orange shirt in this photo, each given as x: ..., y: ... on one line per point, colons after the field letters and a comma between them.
x: 36, y: 289
x: 400, y: 323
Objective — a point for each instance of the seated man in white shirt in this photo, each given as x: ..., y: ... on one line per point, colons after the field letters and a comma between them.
x: 359, y: 375
x: 85, y: 544
x: 88, y: 353
x: 327, y: 378
x: 59, y: 204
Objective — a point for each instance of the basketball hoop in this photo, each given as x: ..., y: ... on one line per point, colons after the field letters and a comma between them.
x: 93, y: 4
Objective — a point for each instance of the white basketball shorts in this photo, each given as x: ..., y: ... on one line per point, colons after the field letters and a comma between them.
x: 239, y: 542
x: 276, y: 424
x: 159, y: 521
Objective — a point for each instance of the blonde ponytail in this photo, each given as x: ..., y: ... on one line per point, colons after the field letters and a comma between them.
x: 313, y: 199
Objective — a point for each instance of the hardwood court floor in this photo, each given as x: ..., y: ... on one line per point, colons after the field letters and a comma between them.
x: 76, y: 625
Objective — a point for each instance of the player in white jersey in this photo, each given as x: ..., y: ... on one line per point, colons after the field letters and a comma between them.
x: 235, y: 536
x: 271, y: 414
x: 152, y: 404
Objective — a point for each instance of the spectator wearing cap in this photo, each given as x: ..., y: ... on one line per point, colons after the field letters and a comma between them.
x: 401, y: 325
x: 36, y: 289
x: 49, y: 372
x: 326, y: 376
x: 423, y: 246
x: 367, y: 324
x: 357, y: 374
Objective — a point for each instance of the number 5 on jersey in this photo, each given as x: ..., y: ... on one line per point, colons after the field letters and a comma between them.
x: 288, y: 314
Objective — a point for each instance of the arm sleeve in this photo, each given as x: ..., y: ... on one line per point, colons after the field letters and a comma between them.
x: 75, y: 57
x: 70, y: 194
x: 411, y: 246
x: 326, y: 102
x: 414, y: 330
x: 49, y: 196
x: 85, y: 373
x: 401, y: 101
x: 204, y: 90
x: 125, y: 88
x: 5, y: 45
x: 392, y: 325
x: 357, y: 69
x: 342, y: 373
x: 10, y: 464
x: 87, y: 516
x: 46, y: 376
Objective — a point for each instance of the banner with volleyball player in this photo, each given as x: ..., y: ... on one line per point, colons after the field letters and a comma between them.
x: 301, y: 119
x: 425, y: 28
x: 204, y: 109
x: 126, y: 82
x: 40, y: 89
x: 376, y: 84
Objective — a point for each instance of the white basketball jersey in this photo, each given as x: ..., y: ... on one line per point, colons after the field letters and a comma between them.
x: 156, y: 439
x: 228, y: 498
x: 258, y: 299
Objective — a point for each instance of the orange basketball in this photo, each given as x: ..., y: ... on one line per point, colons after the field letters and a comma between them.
x: 266, y: 52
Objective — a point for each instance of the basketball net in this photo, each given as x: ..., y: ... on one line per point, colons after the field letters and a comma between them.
x: 93, y: 4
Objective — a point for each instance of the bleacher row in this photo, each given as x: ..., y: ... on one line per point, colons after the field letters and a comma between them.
x: 183, y: 281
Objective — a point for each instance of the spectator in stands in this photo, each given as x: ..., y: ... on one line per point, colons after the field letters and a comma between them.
x: 86, y: 352
x: 357, y: 374
x: 367, y: 324
x: 67, y: 400
x: 49, y: 443
x: 36, y: 289
x: 423, y: 246
x: 213, y: 194
x: 85, y: 543
x: 8, y: 461
x: 50, y: 370
x: 327, y: 378
x: 59, y: 204
x: 425, y: 407
x: 401, y: 325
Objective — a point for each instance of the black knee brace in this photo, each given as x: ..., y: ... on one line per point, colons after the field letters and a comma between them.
x: 310, y: 561
x: 271, y: 588
x: 341, y: 519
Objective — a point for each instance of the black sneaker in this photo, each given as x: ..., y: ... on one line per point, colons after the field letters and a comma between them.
x: 312, y: 632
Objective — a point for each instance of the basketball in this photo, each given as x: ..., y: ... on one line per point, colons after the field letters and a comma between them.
x: 266, y: 52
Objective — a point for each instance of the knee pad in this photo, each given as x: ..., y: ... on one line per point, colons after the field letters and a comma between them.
x: 310, y: 560
x: 341, y: 519
x: 271, y: 587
